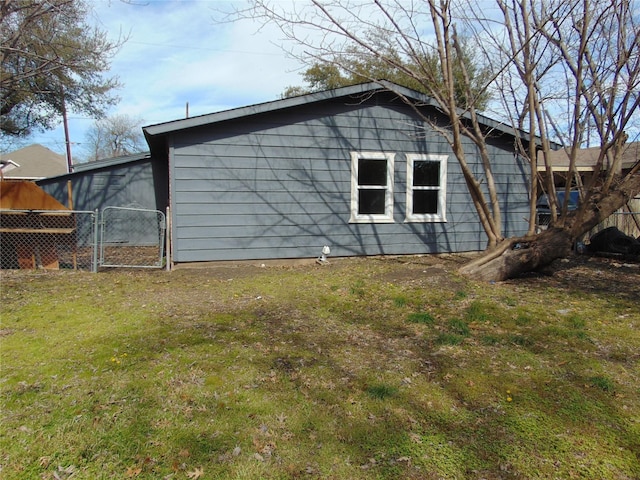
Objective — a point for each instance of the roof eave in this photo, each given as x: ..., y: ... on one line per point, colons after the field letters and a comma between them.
x: 154, y: 133
x: 192, y: 122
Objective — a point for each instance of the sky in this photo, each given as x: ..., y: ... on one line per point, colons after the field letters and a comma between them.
x: 177, y: 53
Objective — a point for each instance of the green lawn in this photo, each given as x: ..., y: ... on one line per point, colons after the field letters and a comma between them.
x: 360, y: 369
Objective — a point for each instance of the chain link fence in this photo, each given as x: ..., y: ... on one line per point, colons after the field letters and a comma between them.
x: 82, y: 240
x: 48, y: 239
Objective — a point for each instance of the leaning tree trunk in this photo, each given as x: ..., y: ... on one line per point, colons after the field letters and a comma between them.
x: 514, y: 256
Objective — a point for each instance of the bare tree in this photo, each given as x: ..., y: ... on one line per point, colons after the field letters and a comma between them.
x: 579, y: 60
x: 542, y: 59
x: 114, y: 136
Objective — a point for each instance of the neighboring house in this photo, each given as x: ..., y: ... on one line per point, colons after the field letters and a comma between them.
x: 32, y: 163
x: 585, y: 162
x: 626, y: 219
x: 355, y: 169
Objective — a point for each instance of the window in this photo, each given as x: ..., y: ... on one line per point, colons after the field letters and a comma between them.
x: 426, y: 188
x: 371, y: 187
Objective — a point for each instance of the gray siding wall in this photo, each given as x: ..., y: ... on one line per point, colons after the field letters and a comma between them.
x: 131, y: 184
x: 278, y: 186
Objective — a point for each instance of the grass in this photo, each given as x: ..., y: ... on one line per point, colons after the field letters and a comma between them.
x: 421, y: 317
x: 354, y: 370
x: 381, y: 391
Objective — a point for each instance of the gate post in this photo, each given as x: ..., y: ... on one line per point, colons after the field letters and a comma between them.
x: 96, y: 226
x: 168, y: 238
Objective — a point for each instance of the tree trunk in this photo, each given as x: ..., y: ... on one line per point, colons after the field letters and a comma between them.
x: 515, y: 256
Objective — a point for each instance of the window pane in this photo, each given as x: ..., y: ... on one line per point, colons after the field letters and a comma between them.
x: 425, y: 202
x: 371, y: 202
x: 426, y: 174
x: 372, y: 172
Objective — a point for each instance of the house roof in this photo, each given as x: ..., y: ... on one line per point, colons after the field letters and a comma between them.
x: 155, y: 133
x: 587, y: 158
x: 34, y: 161
x: 109, y: 162
x: 81, y: 168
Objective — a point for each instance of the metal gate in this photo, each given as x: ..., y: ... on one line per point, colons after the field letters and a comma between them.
x: 132, y: 237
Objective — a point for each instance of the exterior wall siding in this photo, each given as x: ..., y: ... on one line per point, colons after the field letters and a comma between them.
x: 141, y: 184
x: 278, y: 186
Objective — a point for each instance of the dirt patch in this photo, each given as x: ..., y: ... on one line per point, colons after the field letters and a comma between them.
x: 588, y: 273
x: 614, y: 276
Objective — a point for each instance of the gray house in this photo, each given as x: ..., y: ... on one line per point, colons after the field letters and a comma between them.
x: 354, y: 168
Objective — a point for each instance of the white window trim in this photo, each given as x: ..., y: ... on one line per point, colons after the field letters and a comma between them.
x: 387, y: 217
x: 441, y: 216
